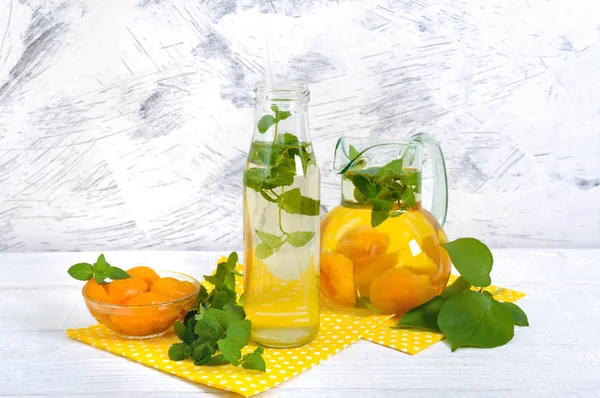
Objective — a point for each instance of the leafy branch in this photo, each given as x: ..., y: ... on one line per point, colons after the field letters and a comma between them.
x: 100, y: 271
x: 467, y: 317
x: 278, y: 170
x: 388, y: 189
x: 216, y: 330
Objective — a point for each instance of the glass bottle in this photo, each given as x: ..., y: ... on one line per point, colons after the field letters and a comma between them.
x: 380, y: 248
x: 281, y: 220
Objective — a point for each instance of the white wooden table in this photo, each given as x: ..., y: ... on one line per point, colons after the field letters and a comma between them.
x: 558, y: 355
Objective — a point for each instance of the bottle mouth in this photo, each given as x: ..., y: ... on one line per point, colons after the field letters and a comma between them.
x: 282, y: 91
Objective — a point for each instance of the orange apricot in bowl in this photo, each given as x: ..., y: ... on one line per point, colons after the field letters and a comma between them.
x: 132, y: 309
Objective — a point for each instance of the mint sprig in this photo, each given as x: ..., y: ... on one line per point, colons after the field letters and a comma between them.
x: 100, y: 271
x: 468, y: 318
x: 388, y: 189
x: 216, y: 330
x: 278, y: 168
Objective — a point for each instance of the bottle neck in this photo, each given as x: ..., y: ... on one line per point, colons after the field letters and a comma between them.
x: 281, y: 113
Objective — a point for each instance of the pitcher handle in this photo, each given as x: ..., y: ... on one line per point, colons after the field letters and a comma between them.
x: 439, y: 204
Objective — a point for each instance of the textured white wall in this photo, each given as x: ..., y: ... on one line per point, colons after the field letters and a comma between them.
x: 125, y: 124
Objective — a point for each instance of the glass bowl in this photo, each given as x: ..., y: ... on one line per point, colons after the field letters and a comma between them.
x: 144, y: 321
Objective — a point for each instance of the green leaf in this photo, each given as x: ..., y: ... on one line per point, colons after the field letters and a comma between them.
x: 236, y: 311
x: 263, y: 251
x: 476, y: 320
x: 353, y: 152
x: 218, y: 278
x: 230, y: 351
x: 232, y: 261
x: 208, y: 330
x: 424, y: 316
x: 519, y: 316
x: 101, y: 265
x: 254, y: 177
x: 238, y: 333
x: 270, y: 240
x: 223, y: 298
x: 275, y: 109
x: 393, y: 168
x: 281, y: 181
x: 229, y: 282
x: 380, y: 212
x: 459, y: 285
x: 115, y: 273
x: 408, y: 198
x: 364, y: 185
x: 100, y: 277
x: 177, y: 351
x: 218, y: 360
x: 201, y: 354
x: 221, y: 317
x: 265, y: 122
x: 299, y: 239
x: 184, y: 333
x: 472, y: 259
x: 293, y: 202
x: 282, y: 115
x: 360, y: 198
x: 254, y: 360
x: 290, y: 139
x: 81, y: 271
x: 365, y: 302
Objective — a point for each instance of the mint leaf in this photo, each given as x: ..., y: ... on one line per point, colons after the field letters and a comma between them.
x: 236, y: 311
x: 290, y: 139
x: 222, y: 298
x: 380, y: 212
x: 254, y: 360
x: 263, y: 251
x: 220, y: 317
x: 408, y: 197
x: 232, y: 261
x: 208, y: 330
x: 364, y: 185
x: 238, y: 333
x: 218, y: 360
x: 101, y: 265
x: 424, y: 316
x: 270, y: 240
x: 393, y: 168
x: 230, y: 351
x: 299, y: 239
x: 459, y: 285
x: 218, y: 278
x: 81, y: 271
x: 254, y: 177
x: 184, y: 333
x: 282, y: 115
x: 201, y: 354
x: 115, y: 273
x: 177, y: 351
x: 353, y: 152
x: 309, y: 206
x: 519, y: 316
x: 100, y: 277
x: 265, y: 122
x: 476, y: 320
x: 472, y: 259
x: 293, y: 202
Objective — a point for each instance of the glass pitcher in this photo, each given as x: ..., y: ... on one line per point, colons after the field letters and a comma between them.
x: 380, y: 248
x: 281, y: 220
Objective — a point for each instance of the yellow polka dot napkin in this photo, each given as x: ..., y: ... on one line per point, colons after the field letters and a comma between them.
x: 339, y: 328
x: 414, y: 341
